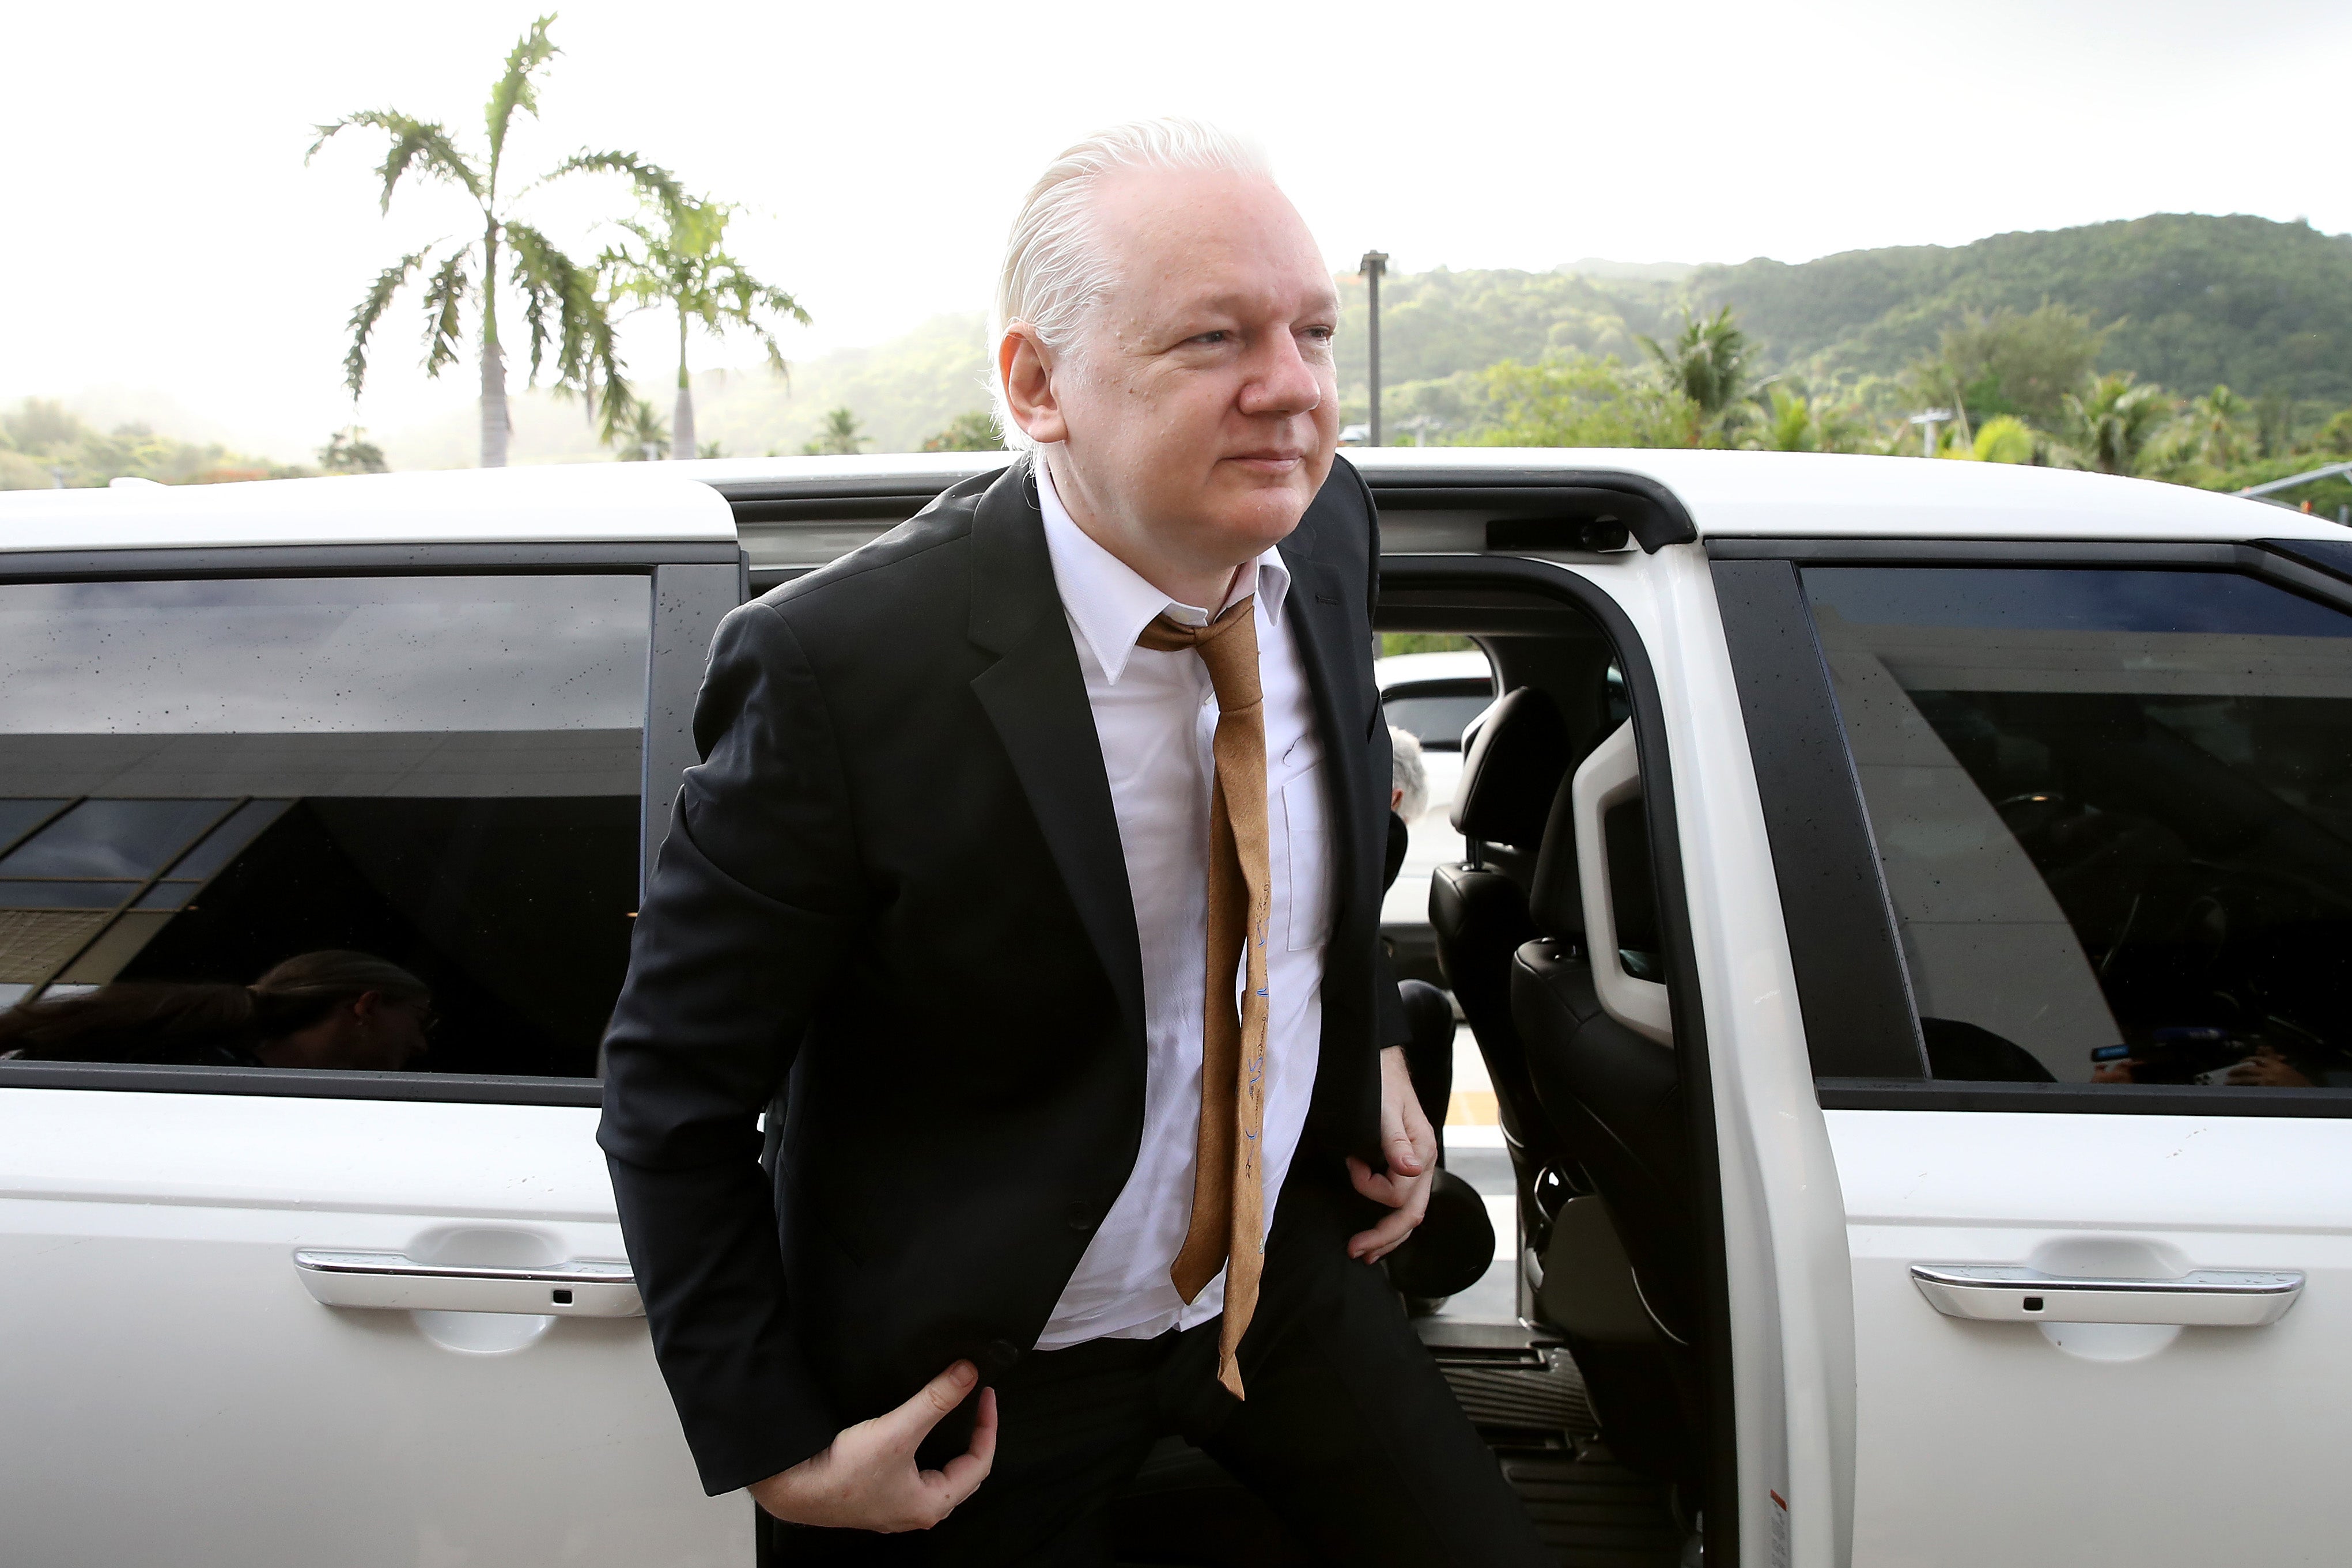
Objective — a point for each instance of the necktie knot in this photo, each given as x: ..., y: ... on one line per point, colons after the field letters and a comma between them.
x: 1227, y: 646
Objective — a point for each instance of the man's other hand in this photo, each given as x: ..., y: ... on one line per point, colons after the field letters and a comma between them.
x: 1410, y: 1146
x: 867, y: 1480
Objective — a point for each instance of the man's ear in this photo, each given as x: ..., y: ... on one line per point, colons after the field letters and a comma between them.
x: 1028, y: 374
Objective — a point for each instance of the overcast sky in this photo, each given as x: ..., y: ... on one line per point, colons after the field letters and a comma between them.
x: 162, y: 234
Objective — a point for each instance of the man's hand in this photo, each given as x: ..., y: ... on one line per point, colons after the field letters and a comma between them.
x: 1410, y: 1147
x: 2267, y: 1067
x: 867, y: 1480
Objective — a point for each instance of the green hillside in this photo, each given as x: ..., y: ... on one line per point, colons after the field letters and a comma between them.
x: 2187, y: 302
x: 2264, y: 306
x: 2190, y: 301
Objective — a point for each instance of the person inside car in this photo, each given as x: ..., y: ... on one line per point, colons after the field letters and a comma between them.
x: 330, y: 1008
x: 1428, y: 1012
x: 1032, y: 878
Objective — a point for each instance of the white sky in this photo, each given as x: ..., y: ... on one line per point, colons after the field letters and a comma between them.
x: 164, y: 237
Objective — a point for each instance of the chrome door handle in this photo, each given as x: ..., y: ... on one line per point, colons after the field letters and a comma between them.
x: 2209, y: 1298
x: 583, y: 1289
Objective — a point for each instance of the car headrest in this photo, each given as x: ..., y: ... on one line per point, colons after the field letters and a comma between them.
x: 1555, y: 893
x: 1514, y: 765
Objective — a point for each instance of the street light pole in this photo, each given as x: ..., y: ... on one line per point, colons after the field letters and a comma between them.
x: 1374, y: 267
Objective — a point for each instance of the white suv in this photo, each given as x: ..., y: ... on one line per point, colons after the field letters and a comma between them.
x: 1905, y: 914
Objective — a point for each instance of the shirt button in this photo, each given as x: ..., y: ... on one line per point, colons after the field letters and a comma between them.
x: 1000, y: 1354
x: 1081, y: 1216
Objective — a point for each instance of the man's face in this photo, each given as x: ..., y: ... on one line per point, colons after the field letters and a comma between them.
x: 1200, y: 407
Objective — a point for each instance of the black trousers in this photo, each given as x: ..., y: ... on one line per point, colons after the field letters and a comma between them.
x: 1350, y: 1443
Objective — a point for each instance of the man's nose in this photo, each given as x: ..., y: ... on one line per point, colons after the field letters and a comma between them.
x: 1281, y: 381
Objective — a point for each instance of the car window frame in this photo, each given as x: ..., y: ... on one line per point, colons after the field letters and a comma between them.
x: 1853, y: 989
x: 691, y: 585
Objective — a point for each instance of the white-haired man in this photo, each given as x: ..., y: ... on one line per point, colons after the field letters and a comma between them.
x: 1030, y: 885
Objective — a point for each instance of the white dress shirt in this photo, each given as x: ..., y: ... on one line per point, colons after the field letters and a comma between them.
x: 1156, y: 715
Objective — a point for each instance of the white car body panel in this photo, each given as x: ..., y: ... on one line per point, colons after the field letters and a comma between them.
x: 2090, y: 1445
x: 171, y: 1388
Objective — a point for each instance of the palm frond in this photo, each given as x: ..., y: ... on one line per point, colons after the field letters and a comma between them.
x: 579, y: 339
x: 515, y: 89
x: 444, y: 298
x: 655, y: 184
x: 364, y: 315
x: 414, y: 143
x: 551, y: 284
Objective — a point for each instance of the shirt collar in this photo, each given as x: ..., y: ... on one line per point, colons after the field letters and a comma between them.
x: 1111, y: 604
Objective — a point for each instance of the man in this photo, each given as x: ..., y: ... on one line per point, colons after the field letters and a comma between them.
x: 1035, y: 856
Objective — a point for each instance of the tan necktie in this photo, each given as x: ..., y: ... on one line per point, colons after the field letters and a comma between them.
x: 1228, y: 1224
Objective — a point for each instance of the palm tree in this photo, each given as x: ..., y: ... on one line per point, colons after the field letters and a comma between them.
x: 2004, y: 438
x: 349, y: 451
x: 641, y: 434
x: 1707, y: 363
x: 567, y: 321
x: 838, y: 436
x: 2217, y: 424
x: 1789, y: 423
x: 679, y: 265
x: 2113, y: 423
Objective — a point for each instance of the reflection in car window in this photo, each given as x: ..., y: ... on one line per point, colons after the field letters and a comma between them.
x: 2114, y: 812
x: 357, y: 822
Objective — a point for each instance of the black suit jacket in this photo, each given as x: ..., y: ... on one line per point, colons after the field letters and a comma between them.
x: 893, y: 899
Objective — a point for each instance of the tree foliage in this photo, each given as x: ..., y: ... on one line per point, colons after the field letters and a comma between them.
x: 349, y: 451
x: 1567, y: 401
x: 1987, y: 365
x: 43, y: 445
x: 839, y: 437
x: 971, y: 432
x: 2113, y: 423
x: 643, y: 438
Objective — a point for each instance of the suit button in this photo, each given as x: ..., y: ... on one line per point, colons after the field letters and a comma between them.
x: 1081, y: 1216
x: 1000, y: 1354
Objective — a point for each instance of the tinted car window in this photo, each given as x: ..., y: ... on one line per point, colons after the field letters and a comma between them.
x: 203, y: 781
x: 1435, y: 712
x: 2114, y: 812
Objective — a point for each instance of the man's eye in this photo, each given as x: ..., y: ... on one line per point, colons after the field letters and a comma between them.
x: 1217, y: 336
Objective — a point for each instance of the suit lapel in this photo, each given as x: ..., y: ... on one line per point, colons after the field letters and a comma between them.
x: 1036, y: 697
x: 1329, y: 640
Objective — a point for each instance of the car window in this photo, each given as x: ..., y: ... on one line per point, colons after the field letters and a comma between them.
x: 1430, y: 696
x: 2115, y: 813
x: 233, y: 811
x: 1435, y: 712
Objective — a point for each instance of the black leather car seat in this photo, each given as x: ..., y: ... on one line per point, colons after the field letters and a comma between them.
x: 1614, y: 1094
x: 1616, y: 1097
x: 1478, y: 908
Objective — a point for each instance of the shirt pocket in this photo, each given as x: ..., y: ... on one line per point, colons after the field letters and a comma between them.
x: 1306, y: 820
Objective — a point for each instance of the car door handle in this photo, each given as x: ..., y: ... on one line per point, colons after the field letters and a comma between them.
x: 586, y: 1288
x: 2209, y: 1298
